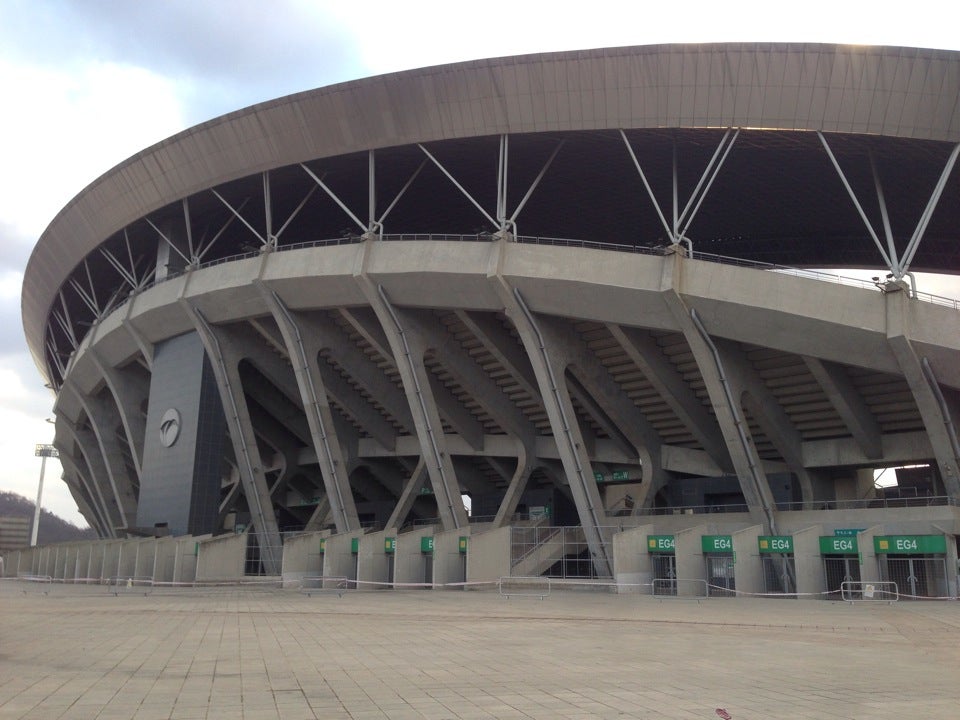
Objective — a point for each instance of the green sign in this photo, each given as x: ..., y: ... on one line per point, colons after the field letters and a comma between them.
x: 426, y: 544
x: 598, y: 477
x: 661, y: 543
x: 910, y: 544
x: 620, y: 475
x: 390, y: 545
x: 355, y: 545
x: 775, y: 543
x: 848, y: 532
x: 463, y: 544
x: 323, y: 544
x: 426, y: 490
x: 717, y: 543
x: 838, y: 545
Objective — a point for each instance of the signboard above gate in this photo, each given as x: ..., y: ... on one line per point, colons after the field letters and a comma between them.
x: 661, y: 544
x: 910, y: 544
x: 775, y: 543
x: 717, y: 543
x: 838, y: 545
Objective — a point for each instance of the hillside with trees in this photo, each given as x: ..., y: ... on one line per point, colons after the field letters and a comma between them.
x: 53, y: 529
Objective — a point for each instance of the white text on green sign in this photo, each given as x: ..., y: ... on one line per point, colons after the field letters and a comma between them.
x: 775, y: 543
x: 833, y: 545
x: 661, y: 543
x: 717, y: 543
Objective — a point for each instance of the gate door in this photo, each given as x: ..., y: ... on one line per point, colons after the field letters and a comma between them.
x: 719, y: 558
x: 916, y: 563
x: 779, y: 568
x: 663, y: 562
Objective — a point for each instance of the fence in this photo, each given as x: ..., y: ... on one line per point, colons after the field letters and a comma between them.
x: 555, y: 551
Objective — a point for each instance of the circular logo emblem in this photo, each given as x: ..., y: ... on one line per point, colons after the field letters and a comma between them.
x: 169, y: 427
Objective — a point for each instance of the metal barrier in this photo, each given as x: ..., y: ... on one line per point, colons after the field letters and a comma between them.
x: 28, y: 583
x: 129, y: 584
x: 852, y: 591
x: 324, y: 584
x: 532, y: 586
x: 680, y: 588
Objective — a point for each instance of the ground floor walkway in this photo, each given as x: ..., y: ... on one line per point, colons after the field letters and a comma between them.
x: 191, y: 654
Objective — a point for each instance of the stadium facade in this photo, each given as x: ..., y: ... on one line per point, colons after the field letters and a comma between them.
x: 575, y: 288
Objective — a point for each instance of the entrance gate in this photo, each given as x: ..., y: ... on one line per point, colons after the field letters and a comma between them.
x: 663, y: 563
x: 839, y: 569
x: 916, y: 563
x: 720, y: 563
x: 779, y: 567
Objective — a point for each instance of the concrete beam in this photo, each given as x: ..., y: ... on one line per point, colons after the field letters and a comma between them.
x: 407, y: 354
x: 104, y: 421
x: 725, y: 400
x: 130, y: 390
x: 225, y: 356
x: 935, y: 411
x: 848, y: 403
x: 646, y: 354
x: 549, y: 362
x: 303, y: 351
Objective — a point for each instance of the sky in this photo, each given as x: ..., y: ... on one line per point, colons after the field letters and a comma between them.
x: 87, y: 83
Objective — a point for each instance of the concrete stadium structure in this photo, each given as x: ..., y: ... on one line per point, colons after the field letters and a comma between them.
x: 557, y: 284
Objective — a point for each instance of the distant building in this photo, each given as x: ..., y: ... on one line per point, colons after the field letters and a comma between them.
x: 14, y: 533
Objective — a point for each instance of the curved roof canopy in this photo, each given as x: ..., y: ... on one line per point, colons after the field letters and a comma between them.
x: 778, y: 198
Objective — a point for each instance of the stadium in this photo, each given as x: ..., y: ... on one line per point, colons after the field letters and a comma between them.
x: 552, y: 315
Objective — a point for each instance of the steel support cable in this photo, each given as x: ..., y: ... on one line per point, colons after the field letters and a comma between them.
x: 556, y: 394
x: 656, y: 205
x: 928, y: 211
x: 737, y: 420
x: 706, y: 190
x: 460, y: 187
x: 856, y: 202
x: 316, y: 404
x: 215, y: 346
x: 535, y: 183
x: 438, y: 456
x: 706, y: 171
x: 334, y: 197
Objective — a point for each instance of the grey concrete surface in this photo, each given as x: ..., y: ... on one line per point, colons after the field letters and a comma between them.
x: 79, y: 652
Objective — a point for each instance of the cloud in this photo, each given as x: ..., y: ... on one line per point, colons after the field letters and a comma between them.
x: 220, y: 54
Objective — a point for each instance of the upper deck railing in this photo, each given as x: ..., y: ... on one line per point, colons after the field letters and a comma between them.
x: 557, y: 242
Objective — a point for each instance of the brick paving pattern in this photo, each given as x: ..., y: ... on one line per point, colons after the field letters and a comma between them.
x: 79, y: 652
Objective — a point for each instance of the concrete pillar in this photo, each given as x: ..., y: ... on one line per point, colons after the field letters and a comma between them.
x: 303, y: 350
x: 407, y: 351
x: 938, y: 420
x: 225, y: 357
x: 549, y: 361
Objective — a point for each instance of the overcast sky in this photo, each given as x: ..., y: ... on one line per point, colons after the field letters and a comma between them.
x: 86, y: 84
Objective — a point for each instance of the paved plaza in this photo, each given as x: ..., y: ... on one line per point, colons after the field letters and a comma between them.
x: 80, y: 652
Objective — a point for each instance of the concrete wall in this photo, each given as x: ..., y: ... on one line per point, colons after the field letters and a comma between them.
x: 164, y: 559
x: 808, y: 562
x: 632, y: 568
x: 747, y: 567
x: 373, y: 567
x: 488, y: 555
x: 411, y: 565
x: 302, y: 558
x: 691, y: 570
x: 185, y: 558
x: 339, y: 560
x: 222, y: 558
x: 449, y: 564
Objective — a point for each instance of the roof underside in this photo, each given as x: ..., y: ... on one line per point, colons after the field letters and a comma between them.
x: 776, y: 199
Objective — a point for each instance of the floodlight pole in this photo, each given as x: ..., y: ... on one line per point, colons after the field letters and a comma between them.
x: 43, y: 452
